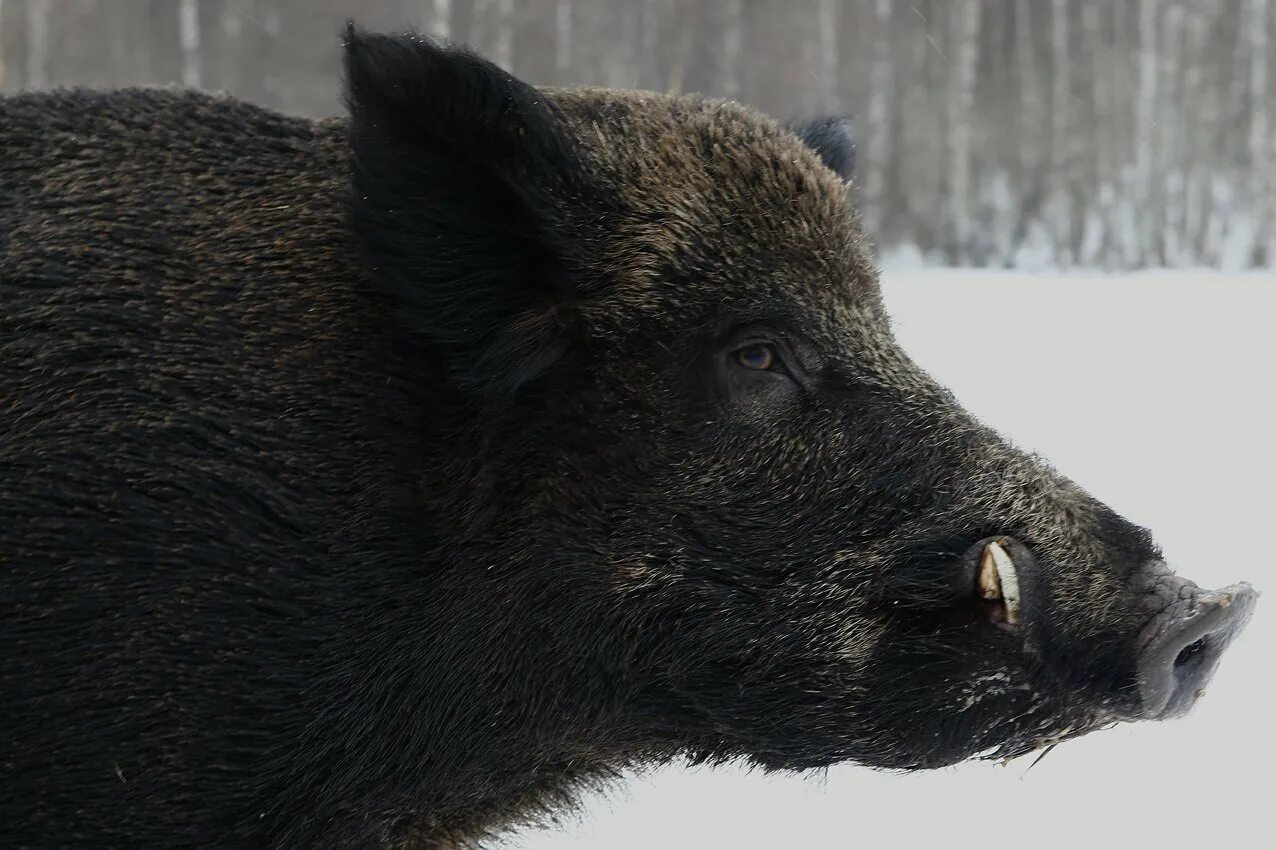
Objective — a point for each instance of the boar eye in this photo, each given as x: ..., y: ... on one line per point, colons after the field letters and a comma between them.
x: 759, y: 357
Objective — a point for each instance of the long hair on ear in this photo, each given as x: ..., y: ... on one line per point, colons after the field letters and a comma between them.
x: 459, y: 172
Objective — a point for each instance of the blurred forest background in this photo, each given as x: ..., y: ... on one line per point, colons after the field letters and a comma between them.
x: 1032, y: 133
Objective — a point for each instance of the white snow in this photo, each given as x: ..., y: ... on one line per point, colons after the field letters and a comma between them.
x: 1155, y: 391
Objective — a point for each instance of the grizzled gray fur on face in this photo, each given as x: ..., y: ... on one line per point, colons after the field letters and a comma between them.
x: 380, y: 481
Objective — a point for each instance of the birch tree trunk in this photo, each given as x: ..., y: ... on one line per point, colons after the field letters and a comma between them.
x: 961, y: 104
x: 460, y: 20
x: 711, y: 60
x: 440, y: 19
x: 188, y: 22
x: 37, y: 75
x: 828, y: 23
x: 790, y: 85
x: 1260, y: 153
x: 879, y: 155
x: 1144, y: 143
x: 733, y: 48
x: 1031, y: 139
x: 1099, y: 222
x: 2, y: 50
x: 1059, y: 201
x: 1192, y: 154
x: 534, y: 41
x: 1170, y: 147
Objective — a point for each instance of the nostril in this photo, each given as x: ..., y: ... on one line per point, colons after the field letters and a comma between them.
x: 1189, y: 653
x: 1183, y: 646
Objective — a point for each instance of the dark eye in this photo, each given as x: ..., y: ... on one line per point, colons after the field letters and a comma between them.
x: 759, y: 357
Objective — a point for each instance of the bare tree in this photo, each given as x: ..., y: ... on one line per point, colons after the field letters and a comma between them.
x: 1260, y: 153
x: 1100, y: 223
x: 534, y: 40
x: 877, y: 159
x: 440, y: 19
x: 563, y: 38
x: 789, y: 85
x: 1144, y: 142
x: 1058, y: 192
x: 733, y: 49
x: 961, y: 108
x: 825, y: 86
x: 1169, y: 161
x: 189, y: 18
x: 37, y: 75
x: 2, y: 50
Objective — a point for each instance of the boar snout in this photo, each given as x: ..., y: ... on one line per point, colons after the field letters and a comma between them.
x: 1181, y: 634
x: 1180, y: 647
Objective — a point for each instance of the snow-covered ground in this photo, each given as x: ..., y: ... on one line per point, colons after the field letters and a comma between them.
x: 1153, y: 390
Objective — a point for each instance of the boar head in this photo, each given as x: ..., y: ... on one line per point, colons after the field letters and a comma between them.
x: 707, y: 503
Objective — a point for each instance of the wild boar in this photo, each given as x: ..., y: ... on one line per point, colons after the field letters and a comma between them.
x: 377, y: 481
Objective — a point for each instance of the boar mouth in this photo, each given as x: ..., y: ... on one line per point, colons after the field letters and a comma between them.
x: 1043, y: 739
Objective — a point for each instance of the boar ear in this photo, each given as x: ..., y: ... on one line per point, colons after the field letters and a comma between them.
x: 831, y: 138
x: 456, y: 168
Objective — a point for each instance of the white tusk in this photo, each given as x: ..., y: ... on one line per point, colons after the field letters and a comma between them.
x: 989, y: 584
x: 1007, y: 578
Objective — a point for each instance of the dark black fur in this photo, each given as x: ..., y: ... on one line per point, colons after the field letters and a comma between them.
x: 833, y: 139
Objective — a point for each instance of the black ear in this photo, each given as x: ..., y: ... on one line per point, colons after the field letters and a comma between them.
x: 458, y: 172
x: 831, y: 138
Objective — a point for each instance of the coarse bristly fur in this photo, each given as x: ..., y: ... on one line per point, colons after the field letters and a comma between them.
x: 379, y: 482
